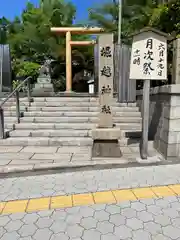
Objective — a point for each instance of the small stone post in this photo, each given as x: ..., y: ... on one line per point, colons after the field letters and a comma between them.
x: 105, y: 136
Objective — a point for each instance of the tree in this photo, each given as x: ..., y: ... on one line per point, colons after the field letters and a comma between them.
x: 135, y: 15
x: 4, y: 23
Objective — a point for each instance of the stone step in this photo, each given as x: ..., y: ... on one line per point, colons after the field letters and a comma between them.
x: 69, y: 109
x: 50, y: 133
x: 75, y: 126
x: 74, y: 114
x: 66, y: 133
x: 78, y: 119
x: 54, y: 99
x: 10, y: 119
x: 47, y: 141
x: 68, y: 104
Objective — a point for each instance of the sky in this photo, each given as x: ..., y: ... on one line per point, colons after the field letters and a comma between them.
x: 11, y: 8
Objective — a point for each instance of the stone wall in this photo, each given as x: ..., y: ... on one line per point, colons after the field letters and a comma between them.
x: 164, y: 119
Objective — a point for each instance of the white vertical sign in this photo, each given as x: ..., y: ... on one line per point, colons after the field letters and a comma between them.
x: 149, y: 57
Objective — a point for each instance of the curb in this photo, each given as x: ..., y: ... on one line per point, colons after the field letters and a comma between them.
x: 41, y: 169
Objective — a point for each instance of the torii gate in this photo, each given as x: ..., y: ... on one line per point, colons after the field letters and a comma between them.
x: 69, y: 43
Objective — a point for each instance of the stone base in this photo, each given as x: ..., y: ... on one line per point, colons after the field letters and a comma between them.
x: 44, y: 80
x: 106, y: 143
x: 106, y: 133
x: 43, y: 89
x: 106, y: 149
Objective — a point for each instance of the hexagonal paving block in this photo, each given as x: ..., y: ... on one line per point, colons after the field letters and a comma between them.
x: 13, y: 225
x: 60, y: 236
x: 161, y: 237
x: 105, y: 227
x: 163, y: 203
x: 30, y: 218
x: 152, y: 227
x: 2, y: 231
x: 101, y: 215
x: 4, y: 220
x: 134, y: 223
x: 91, y: 234
x: 141, y: 234
x: 59, y: 214
x: 145, y: 216
x: 74, y: 231
x: 73, y: 219
x: 10, y: 235
x: 117, y: 219
x: 123, y: 232
x: 86, y: 211
x: 155, y: 210
x: 88, y: 223
x: 171, y: 212
x: 113, y: 209
x: 47, y: 213
x: 176, y: 222
x: 44, y: 222
x: 126, y: 204
x: 109, y: 236
x: 27, y: 230
x: 138, y: 206
x: 58, y: 226
x: 171, y: 232
x: 163, y: 220
x: 17, y: 216
x: 44, y: 234
x: 98, y: 207
x: 148, y: 202
x: 72, y: 210
x: 128, y: 212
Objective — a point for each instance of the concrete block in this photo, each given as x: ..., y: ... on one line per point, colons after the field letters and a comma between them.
x: 172, y: 112
x: 39, y: 149
x: 10, y: 149
x: 106, y: 133
x: 70, y: 141
x: 175, y: 100
x: 52, y: 156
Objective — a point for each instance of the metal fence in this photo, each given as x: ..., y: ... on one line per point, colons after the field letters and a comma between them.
x: 124, y: 88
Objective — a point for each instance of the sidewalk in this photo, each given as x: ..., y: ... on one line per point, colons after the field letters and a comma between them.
x: 118, y: 204
x: 19, y: 159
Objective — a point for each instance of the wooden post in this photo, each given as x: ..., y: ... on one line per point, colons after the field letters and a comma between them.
x: 68, y: 63
x: 145, y: 119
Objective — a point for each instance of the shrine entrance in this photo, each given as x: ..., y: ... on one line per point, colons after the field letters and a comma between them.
x: 124, y: 89
x: 69, y: 44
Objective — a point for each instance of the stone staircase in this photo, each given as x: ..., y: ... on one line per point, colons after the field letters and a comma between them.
x: 62, y: 121
x: 55, y: 132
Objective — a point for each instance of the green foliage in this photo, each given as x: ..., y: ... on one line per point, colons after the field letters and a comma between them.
x: 135, y: 15
x: 25, y: 68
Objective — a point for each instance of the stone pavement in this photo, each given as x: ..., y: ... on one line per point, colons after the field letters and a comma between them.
x: 34, y: 158
x: 117, y: 204
x: 149, y: 219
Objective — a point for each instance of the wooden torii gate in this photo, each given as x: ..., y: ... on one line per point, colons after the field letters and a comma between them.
x: 69, y: 44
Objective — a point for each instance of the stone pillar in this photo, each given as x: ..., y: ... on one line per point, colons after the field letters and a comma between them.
x: 176, y: 62
x: 106, y: 74
x: 105, y: 135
